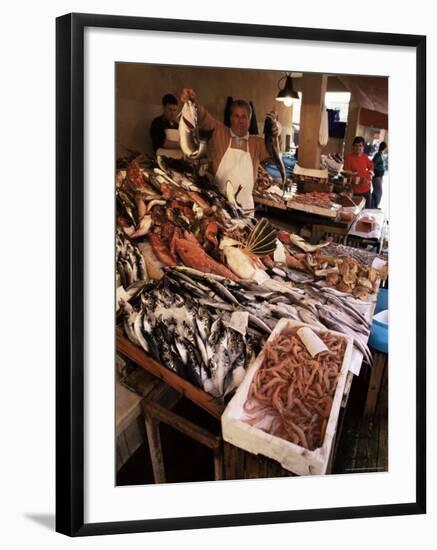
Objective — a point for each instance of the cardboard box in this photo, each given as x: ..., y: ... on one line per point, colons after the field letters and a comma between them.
x: 292, y: 457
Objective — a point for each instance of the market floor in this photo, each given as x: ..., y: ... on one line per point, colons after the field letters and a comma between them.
x: 362, y: 446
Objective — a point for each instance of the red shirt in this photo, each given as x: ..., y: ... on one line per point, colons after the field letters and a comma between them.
x: 360, y: 164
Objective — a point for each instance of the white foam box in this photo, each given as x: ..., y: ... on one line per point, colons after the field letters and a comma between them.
x: 292, y: 457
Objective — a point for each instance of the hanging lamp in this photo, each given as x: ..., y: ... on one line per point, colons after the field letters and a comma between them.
x: 287, y: 94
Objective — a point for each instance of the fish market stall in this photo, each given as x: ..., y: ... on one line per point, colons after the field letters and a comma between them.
x: 308, y: 201
x: 222, y: 256
x: 326, y: 220
x: 201, y: 287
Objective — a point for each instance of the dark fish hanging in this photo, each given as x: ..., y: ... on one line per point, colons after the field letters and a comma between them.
x: 271, y: 139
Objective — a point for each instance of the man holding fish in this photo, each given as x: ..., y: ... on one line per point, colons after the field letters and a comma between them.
x: 235, y: 154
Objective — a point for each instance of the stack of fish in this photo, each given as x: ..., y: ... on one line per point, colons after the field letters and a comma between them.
x: 178, y: 222
x: 130, y: 263
x: 197, y: 342
x: 207, y: 328
x: 215, y: 291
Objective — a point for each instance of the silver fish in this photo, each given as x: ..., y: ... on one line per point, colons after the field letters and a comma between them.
x: 191, y: 144
x: 216, y: 305
x: 168, y: 358
x: 219, y: 361
x: 259, y: 323
x: 138, y: 332
x: 195, y: 368
x: 129, y: 316
x: 203, y: 323
x: 235, y: 376
x: 333, y: 324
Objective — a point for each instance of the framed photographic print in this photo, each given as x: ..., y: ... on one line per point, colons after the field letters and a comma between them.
x: 240, y: 274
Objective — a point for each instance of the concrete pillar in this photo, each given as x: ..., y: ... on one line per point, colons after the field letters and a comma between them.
x: 353, y: 120
x: 313, y: 100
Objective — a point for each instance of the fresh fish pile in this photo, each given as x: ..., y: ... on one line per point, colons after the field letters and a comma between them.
x: 217, y: 292
x: 195, y: 341
x: 129, y: 261
x: 275, y: 299
x: 171, y: 192
x: 207, y: 328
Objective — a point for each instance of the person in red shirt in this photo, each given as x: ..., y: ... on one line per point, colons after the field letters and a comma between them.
x: 359, y: 163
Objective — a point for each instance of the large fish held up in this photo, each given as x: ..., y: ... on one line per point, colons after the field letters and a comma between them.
x: 272, y: 129
x: 192, y: 146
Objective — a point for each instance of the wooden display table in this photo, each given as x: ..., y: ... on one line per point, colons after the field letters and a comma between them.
x: 322, y: 227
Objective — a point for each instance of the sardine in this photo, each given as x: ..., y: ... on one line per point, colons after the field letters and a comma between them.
x: 179, y: 274
x: 222, y: 291
x: 216, y: 305
x: 259, y: 323
x: 168, y: 358
x: 203, y: 323
x: 194, y: 367
x: 150, y: 338
x: 181, y: 348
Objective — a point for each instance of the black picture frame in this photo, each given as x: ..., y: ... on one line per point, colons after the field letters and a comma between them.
x: 70, y: 273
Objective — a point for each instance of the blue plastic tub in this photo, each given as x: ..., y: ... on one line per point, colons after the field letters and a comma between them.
x: 379, y: 332
x: 382, y: 300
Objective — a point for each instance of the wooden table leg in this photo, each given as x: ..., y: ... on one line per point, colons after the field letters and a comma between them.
x: 376, y: 378
x: 155, y: 413
x: 154, y: 440
x: 218, y: 463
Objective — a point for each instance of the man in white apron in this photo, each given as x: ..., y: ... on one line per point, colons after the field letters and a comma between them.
x: 236, y: 164
x: 235, y: 154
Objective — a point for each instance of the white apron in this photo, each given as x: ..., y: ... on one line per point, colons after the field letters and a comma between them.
x: 236, y: 166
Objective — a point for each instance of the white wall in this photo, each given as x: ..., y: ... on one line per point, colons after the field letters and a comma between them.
x: 27, y: 276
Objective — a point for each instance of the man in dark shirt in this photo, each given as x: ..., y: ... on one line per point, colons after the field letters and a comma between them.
x: 164, y: 122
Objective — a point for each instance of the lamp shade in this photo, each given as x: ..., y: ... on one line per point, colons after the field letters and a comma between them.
x: 287, y: 94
